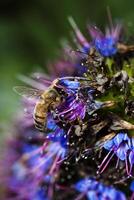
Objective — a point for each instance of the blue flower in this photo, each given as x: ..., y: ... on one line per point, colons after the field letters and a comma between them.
x: 40, y: 194
x: 132, y: 190
x: 123, y: 147
x: 84, y: 185
x: 33, y: 172
x: 69, y: 85
x: 37, y: 166
x: 78, y: 101
x: 132, y: 186
x: 95, y: 190
x: 73, y: 106
x: 106, y: 46
x: 71, y: 109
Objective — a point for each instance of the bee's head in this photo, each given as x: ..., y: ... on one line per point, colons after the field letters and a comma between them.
x: 52, y: 94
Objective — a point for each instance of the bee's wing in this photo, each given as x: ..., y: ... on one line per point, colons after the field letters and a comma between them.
x: 27, y: 92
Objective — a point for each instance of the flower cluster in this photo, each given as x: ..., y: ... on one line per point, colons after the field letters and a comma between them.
x: 95, y: 190
x: 123, y: 147
x: 84, y: 110
x: 36, y: 162
x: 105, y: 44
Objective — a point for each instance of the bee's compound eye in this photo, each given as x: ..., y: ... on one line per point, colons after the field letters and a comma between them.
x: 52, y: 94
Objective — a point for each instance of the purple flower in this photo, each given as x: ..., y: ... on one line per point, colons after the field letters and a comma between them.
x: 105, y: 44
x: 71, y: 109
x: 35, y: 161
x: 68, y: 64
x: 95, y: 190
x: 123, y: 147
x: 78, y: 99
x: 37, y: 166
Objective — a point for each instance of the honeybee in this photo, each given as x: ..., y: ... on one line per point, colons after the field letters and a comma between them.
x: 47, y: 100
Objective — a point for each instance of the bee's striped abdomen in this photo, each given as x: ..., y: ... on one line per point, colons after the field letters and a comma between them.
x: 39, y: 122
x: 40, y: 113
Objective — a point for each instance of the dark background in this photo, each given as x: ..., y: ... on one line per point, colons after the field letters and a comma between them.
x: 30, y: 34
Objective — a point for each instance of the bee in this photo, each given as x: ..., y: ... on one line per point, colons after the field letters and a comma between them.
x: 47, y: 100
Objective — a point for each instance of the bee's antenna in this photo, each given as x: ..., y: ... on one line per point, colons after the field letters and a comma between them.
x: 109, y: 17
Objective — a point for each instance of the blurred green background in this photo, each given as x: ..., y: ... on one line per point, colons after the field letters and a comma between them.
x: 30, y: 34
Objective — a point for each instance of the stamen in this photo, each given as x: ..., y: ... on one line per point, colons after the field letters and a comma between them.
x: 126, y: 161
x: 132, y: 197
x: 68, y: 110
x: 50, y: 191
x: 105, y: 165
x: 131, y: 167
x: 29, y: 155
x: 81, y: 196
x: 54, y: 164
x: 117, y: 163
x: 42, y: 162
